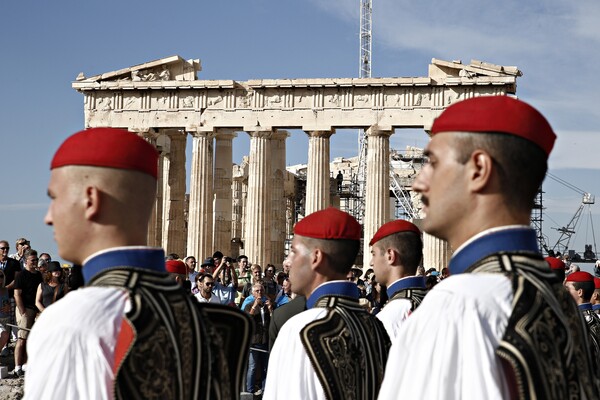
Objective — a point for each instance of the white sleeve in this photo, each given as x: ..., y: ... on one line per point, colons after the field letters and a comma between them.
x: 290, y: 374
x: 446, y: 349
x: 393, y: 315
x: 71, y: 347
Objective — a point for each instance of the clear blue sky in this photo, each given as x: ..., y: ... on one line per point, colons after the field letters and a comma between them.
x: 46, y: 44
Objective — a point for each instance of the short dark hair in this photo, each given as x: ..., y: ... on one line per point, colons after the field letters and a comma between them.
x: 512, y: 156
x: 339, y: 253
x: 588, y: 289
x: 409, y: 247
x: 30, y: 252
x: 202, y: 277
x: 430, y: 282
x: 218, y: 254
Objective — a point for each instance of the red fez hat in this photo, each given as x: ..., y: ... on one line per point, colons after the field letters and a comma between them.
x: 555, y: 263
x: 580, y: 276
x: 107, y: 147
x: 176, y: 267
x: 596, y: 283
x: 500, y: 114
x: 330, y: 223
x: 392, y: 227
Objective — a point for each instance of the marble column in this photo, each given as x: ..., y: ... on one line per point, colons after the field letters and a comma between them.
x: 278, y: 200
x: 377, y: 193
x: 240, y: 180
x: 155, y: 224
x: 222, y: 185
x: 174, y: 233
x: 258, y: 241
x: 317, y: 174
x: 436, y: 252
x: 200, y: 215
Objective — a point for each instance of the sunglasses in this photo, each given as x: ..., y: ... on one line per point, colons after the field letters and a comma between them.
x: 209, y: 283
x: 23, y: 243
x: 4, y: 248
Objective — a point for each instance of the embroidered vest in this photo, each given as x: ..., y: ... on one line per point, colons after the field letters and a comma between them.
x: 178, y: 349
x: 592, y: 321
x: 544, y: 350
x: 414, y: 295
x: 348, y: 349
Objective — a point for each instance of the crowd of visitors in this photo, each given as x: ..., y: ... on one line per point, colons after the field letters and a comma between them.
x: 28, y: 284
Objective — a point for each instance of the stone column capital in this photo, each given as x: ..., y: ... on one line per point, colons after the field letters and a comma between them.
x: 320, y: 133
x: 145, y: 132
x: 376, y: 130
x: 225, y: 133
x: 280, y: 134
x: 260, y: 134
x: 150, y: 135
x: 202, y: 134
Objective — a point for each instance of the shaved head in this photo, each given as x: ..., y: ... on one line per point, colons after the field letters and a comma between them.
x: 93, y: 208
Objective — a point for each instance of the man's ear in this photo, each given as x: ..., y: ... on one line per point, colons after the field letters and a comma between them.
x: 480, y: 169
x: 93, y: 199
x: 390, y: 256
x: 316, y: 258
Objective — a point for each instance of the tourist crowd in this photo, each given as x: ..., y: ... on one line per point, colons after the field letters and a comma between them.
x: 29, y: 282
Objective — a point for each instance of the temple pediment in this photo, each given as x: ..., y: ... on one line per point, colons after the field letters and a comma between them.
x: 440, y: 69
x: 172, y: 68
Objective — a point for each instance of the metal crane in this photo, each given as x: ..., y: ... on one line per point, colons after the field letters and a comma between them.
x: 566, y: 232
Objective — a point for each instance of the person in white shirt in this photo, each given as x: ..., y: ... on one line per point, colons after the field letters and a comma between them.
x: 132, y: 332
x: 335, y: 349
x: 205, y: 283
x: 396, y: 251
x: 501, y: 326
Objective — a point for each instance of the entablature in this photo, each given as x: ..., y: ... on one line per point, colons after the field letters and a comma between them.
x: 117, y: 99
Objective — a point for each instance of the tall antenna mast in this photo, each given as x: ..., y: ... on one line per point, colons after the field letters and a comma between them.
x: 366, y: 14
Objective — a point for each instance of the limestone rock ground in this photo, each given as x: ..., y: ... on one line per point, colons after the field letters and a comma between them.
x: 11, y: 388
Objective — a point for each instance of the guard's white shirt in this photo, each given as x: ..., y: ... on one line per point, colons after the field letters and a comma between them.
x: 72, y: 344
x: 445, y: 350
x: 290, y: 375
x: 393, y: 315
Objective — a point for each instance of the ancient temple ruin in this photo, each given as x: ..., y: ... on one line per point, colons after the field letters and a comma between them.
x: 252, y: 204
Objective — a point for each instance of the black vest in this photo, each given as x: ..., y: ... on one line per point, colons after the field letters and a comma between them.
x: 181, y: 349
x: 544, y: 350
x: 348, y: 348
x: 592, y: 321
x: 413, y: 294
